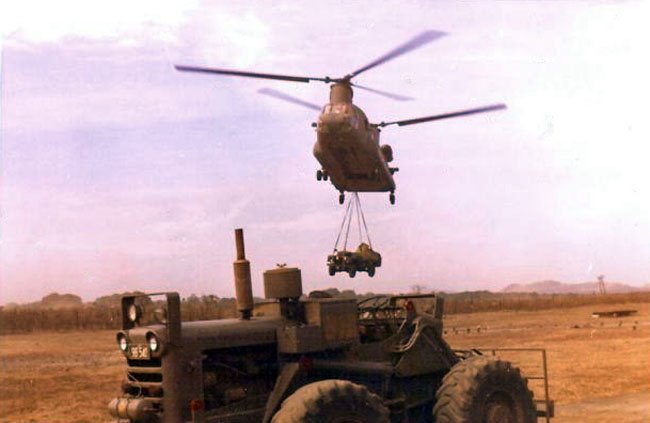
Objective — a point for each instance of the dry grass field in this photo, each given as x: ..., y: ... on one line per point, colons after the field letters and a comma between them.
x: 59, y: 377
x: 599, y: 369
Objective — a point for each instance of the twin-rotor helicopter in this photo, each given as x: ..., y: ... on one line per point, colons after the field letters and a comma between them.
x: 347, y: 144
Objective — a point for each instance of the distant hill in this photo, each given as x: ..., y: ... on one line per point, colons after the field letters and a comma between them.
x: 555, y: 287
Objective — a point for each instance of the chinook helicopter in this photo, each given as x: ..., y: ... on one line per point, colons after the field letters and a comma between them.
x: 347, y: 144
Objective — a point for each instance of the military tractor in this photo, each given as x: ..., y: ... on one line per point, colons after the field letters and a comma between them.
x: 307, y: 359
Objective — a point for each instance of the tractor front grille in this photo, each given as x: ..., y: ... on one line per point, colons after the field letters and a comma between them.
x: 144, y: 378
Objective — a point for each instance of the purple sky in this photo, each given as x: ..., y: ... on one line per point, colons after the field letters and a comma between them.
x: 119, y: 173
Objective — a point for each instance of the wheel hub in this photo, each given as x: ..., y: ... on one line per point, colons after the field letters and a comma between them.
x: 499, y: 408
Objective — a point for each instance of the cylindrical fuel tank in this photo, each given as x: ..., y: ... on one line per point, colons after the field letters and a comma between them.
x: 134, y: 409
x: 282, y: 283
x: 387, y: 152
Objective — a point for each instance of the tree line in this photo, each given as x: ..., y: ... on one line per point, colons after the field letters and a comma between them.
x: 106, y: 314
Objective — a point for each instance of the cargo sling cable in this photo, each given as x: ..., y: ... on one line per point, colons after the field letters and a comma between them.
x: 353, y: 208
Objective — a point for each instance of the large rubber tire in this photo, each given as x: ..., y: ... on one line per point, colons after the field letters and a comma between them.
x: 483, y: 390
x: 332, y: 401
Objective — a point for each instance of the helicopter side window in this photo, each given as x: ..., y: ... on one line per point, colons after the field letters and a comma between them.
x: 354, y: 121
x: 362, y: 116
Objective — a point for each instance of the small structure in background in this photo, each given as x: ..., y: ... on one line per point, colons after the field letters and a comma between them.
x: 615, y: 313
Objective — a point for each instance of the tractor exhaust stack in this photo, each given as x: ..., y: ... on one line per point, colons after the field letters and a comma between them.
x: 243, y: 286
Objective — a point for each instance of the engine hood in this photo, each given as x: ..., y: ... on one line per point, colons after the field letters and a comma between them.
x: 228, y: 333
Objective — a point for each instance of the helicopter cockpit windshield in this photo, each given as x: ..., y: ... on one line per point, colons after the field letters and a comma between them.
x: 338, y: 108
x: 339, y: 117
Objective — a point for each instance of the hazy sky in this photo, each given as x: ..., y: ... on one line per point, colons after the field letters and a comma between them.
x: 119, y: 173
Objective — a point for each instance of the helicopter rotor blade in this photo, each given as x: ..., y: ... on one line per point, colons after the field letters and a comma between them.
x: 282, y: 96
x: 444, y: 116
x: 184, y: 68
x: 384, y: 93
x: 414, y: 43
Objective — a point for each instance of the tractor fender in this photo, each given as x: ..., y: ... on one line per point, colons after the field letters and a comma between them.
x: 287, y: 382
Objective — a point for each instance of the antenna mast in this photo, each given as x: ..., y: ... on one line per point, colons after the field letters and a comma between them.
x: 601, y: 284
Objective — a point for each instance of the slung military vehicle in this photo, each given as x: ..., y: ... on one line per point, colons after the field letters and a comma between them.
x: 297, y: 359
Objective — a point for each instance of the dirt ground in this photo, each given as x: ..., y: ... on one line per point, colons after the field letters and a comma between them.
x: 598, y: 368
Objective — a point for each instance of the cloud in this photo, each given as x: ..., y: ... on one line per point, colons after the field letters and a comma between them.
x: 232, y: 38
x: 37, y: 21
x: 59, y: 240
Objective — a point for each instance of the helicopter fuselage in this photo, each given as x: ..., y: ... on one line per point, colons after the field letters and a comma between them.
x: 347, y: 147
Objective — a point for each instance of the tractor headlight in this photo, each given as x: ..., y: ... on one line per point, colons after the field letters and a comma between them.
x: 122, y: 342
x: 134, y: 312
x: 152, y: 340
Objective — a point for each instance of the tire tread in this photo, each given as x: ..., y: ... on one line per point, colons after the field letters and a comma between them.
x: 308, y: 403
x: 460, y: 385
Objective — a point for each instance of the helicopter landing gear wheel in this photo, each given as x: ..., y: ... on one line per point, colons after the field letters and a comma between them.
x: 371, y: 271
x: 352, y: 272
x: 331, y: 270
x: 391, y: 198
x: 319, y: 175
x: 325, y: 176
x: 341, y: 198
